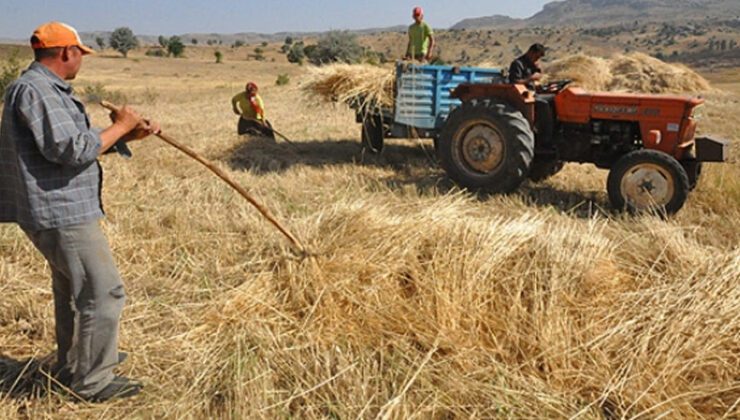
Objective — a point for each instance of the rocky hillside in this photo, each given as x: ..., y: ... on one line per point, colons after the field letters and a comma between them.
x: 600, y: 12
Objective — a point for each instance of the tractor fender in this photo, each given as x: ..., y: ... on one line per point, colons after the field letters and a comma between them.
x: 516, y: 96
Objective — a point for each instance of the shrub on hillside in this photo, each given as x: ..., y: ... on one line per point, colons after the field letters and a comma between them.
x: 296, y: 54
x: 10, y: 71
x: 336, y: 47
x: 97, y: 92
x: 155, y: 52
x: 282, y: 79
x: 175, y: 47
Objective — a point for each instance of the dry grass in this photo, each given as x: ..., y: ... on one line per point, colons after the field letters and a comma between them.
x: 422, y: 301
x: 635, y: 72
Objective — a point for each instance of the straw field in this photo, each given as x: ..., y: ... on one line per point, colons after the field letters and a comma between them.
x: 420, y: 300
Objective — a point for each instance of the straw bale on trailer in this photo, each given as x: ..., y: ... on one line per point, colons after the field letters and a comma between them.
x: 355, y: 84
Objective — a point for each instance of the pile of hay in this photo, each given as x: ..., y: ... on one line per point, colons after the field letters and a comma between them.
x: 591, y: 73
x: 634, y: 72
x: 641, y: 73
x: 353, y: 84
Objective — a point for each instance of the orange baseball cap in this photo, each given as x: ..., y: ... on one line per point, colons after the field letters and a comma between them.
x: 57, y: 34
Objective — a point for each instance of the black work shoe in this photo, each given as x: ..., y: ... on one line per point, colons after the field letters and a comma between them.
x: 119, y: 387
x: 63, y: 376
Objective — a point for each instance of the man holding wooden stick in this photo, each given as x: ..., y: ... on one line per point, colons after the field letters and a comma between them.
x: 50, y: 183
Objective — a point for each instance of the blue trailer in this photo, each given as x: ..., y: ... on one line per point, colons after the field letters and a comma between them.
x: 422, y: 102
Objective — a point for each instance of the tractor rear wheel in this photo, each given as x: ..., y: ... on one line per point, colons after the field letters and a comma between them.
x: 648, y: 180
x: 373, y: 133
x: 487, y: 145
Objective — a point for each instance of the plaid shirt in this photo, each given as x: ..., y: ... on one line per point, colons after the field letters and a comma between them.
x: 49, y: 173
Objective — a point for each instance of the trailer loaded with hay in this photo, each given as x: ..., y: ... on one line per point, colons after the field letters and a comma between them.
x: 421, y: 103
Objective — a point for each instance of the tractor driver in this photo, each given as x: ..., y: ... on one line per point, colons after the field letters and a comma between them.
x: 524, y: 70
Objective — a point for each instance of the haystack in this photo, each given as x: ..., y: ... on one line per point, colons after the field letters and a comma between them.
x: 590, y: 73
x: 635, y: 72
x: 639, y: 72
x: 353, y: 84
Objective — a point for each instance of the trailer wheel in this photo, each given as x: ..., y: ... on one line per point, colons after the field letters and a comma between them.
x: 487, y: 145
x: 648, y: 180
x: 372, y: 133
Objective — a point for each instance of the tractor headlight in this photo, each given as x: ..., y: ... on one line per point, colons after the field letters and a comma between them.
x: 697, y: 113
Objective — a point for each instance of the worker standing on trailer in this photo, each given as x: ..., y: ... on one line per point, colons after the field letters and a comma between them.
x: 251, y: 109
x: 525, y: 69
x: 421, y: 38
x: 50, y: 183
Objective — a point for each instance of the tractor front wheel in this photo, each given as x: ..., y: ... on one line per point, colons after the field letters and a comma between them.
x: 486, y: 145
x: 648, y: 180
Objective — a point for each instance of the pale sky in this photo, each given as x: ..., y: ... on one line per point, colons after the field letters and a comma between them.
x: 18, y: 18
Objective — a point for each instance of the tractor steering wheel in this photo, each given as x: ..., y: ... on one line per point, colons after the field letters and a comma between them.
x: 555, y: 86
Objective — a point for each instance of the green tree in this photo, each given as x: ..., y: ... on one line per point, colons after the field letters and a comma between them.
x: 219, y: 56
x: 123, y: 40
x: 194, y: 41
x: 100, y: 41
x: 163, y: 41
x: 175, y: 47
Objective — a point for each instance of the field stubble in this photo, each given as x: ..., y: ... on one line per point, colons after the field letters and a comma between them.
x: 422, y: 301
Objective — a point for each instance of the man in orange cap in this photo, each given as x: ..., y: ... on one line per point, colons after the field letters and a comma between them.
x: 251, y: 109
x: 50, y: 186
x: 421, y: 38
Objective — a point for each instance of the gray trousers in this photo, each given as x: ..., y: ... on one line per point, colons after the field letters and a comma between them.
x: 88, y: 300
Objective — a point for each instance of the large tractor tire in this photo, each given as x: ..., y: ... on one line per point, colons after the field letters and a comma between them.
x: 373, y: 133
x: 487, y: 145
x: 543, y: 168
x: 648, y: 180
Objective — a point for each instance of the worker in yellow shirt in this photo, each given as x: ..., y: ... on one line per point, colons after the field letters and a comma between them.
x: 249, y: 106
x: 421, y: 38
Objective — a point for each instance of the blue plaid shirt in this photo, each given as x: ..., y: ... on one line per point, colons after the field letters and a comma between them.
x: 49, y: 173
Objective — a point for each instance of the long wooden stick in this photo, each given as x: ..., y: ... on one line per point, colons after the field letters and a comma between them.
x: 282, y: 136
x: 225, y: 177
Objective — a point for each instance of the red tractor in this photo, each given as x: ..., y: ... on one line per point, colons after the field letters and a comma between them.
x: 504, y: 133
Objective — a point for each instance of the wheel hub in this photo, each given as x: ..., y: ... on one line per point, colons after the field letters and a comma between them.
x: 647, y: 185
x: 483, y: 148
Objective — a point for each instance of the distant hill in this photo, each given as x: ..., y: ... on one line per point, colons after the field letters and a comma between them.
x: 88, y: 38
x: 592, y: 13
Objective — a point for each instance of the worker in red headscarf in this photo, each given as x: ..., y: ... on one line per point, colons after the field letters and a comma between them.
x: 251, y: 109
x: 421, y: 38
